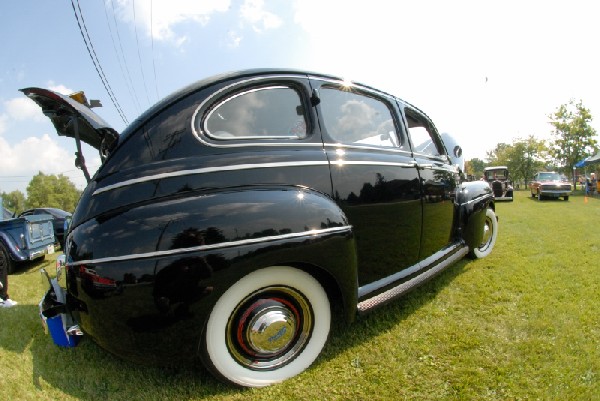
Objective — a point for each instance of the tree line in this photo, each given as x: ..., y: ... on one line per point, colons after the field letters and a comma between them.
x: 573, y: 139
x: 44, y: 190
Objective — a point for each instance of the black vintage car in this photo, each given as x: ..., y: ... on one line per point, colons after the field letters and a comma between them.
x: 230, y: 219
x: 498, y: 179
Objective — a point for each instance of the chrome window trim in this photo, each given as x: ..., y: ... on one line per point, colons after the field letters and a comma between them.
x: 390, y: 149
x: 256, y: 137
x: 218, y: 93
x: 227, y: 244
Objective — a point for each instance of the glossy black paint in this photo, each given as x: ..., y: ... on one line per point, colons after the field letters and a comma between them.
x: 174, y: 217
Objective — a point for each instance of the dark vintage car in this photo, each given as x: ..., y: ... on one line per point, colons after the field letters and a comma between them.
x: 550, y: 184
x: 60, y: 220
x: 498, y: 179
x: 232, y: 217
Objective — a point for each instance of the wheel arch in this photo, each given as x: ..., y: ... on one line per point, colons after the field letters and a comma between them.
x: 473, y: 199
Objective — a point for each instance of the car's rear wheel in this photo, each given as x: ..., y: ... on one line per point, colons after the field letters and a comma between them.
x: 490, y: 233
x: 566, y: 198
x: 267, y: 327
x: 5, y: 261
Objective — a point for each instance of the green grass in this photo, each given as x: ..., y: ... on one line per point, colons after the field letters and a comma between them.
x: 521, y: 324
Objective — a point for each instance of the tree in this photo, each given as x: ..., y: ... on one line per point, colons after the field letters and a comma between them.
x: 525, y: 157
x: 474, y: 167
x: 14, y: 201
x: 499, y: 155
x: 52, y: 191
x: 574, y: 137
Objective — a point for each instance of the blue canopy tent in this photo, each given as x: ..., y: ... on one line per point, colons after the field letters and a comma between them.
x: 588, y: 160
x: 593, y: 159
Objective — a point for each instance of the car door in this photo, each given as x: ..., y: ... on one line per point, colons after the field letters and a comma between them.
x: 374, y: 177
x: 439, y: 179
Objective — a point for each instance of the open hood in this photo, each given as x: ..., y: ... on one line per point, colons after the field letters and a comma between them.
x: 75, y: 120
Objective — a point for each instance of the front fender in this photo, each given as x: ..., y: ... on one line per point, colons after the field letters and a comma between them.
x: 473, y: 199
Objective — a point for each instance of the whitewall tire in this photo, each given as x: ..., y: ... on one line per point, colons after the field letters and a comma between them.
x: 490, y: 233
x: 269, y: 326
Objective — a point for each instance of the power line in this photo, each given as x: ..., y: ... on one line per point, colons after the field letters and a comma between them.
x: 121, y: 55
x: 138, y: 53
x: 152, y: 39
x: 95, y: 60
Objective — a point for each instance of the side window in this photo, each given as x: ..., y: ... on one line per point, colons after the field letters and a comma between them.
x: 354, y: 118
x: 273, y: 112
x: 421, y: 135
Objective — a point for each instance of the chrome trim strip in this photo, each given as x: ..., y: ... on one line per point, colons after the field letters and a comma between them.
x: 403, y: 288
x: 206, y: 170
x: 238, y: 167
x: 384, y: 282
x: 370, y: 163
x: 227, y: 244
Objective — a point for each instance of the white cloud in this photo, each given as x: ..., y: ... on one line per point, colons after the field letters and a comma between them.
x: 253, y: 12
x: 64, y: 90
x: 160, y: 17
x: 49, y: 158
x: 22, y: 108
x: 3, y: 123
x: 437, y: 55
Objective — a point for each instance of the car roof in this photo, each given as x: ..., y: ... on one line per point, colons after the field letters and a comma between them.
x: 49, y: 210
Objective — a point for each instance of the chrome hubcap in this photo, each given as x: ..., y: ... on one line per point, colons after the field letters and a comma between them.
x: 269, y: 328
x: 487, y: 233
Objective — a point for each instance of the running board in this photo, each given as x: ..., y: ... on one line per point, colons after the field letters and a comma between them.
x: 401, y: 289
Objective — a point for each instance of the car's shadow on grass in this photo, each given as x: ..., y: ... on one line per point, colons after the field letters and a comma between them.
x: 89, y: 372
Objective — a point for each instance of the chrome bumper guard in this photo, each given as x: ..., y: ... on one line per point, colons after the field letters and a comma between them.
x: 55, y: 315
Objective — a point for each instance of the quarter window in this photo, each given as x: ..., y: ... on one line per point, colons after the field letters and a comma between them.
x: 354, y: 118
x: 421, y: 135
x: 274, y: 112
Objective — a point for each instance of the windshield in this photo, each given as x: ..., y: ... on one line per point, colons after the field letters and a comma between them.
x: 58, y: 213
x: 549, y: 177
x: 496, y: 174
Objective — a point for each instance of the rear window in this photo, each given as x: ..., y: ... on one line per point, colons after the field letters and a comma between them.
x: 273, y: 112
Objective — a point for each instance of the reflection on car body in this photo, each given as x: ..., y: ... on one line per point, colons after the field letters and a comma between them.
x: 235, y: 213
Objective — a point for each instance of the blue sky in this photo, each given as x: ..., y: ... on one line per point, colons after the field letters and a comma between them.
x: 487, y: 72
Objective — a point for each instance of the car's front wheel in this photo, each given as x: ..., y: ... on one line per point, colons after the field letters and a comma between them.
x: 490, y: 233
x: 267, y: 327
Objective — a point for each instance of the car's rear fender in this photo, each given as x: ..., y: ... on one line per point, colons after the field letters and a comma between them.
x: 185, y: 252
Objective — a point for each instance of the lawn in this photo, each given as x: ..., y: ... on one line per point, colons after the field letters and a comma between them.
x: 521, y: 324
